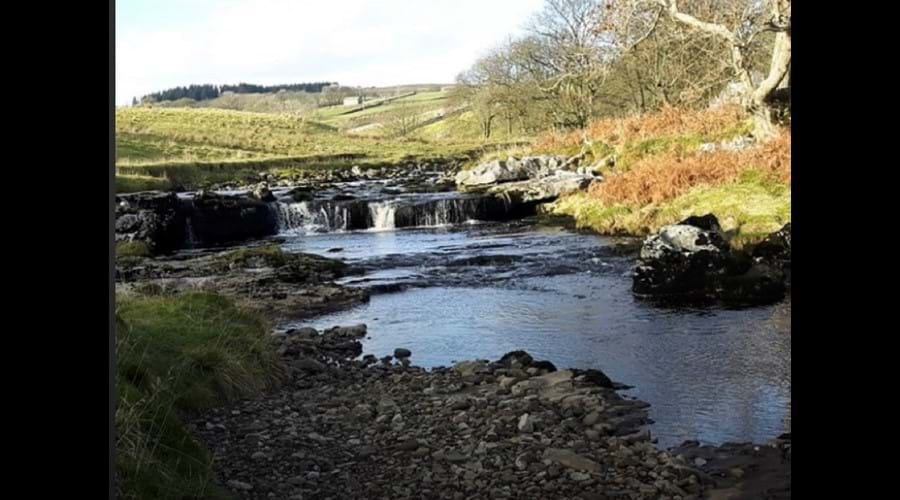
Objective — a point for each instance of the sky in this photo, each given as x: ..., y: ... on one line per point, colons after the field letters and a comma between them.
x: 167, y: 43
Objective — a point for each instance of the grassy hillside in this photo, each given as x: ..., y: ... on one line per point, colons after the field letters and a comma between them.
x: 163, y: 147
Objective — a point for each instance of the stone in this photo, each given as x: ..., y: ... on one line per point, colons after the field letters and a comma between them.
x: 239, y: 485
x: 526, y: 423
x: 570, y: 459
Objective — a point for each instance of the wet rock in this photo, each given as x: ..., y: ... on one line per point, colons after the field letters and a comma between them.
x: 594, y: 377
x: 261, y: 192
x: 692, y: 261
x: 217, y: 219
x: 401, y: 353
x: 154, y: 218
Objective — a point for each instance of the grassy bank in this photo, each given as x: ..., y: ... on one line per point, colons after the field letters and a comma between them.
x: 176, y: 355
x: 657, y: 172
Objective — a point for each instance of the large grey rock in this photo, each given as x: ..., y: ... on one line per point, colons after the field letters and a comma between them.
x: 545, y: 188
x: 491, y: 172
x: 512, y: 169
x: 692, y: 260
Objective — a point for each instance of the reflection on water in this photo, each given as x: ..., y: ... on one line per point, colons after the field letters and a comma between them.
x: 716, y: 375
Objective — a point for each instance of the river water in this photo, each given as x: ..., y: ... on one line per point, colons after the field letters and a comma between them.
x: 461, y: 289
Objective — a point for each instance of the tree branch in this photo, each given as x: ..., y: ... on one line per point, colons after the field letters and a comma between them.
x: 712, y: 28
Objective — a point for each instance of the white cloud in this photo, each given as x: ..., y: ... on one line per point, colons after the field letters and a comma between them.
x: 355, y: 42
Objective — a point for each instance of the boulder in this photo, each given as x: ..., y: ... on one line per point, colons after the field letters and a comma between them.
x: 153, y: 218
x: 217, y: 219
x: 512, y: 169
x: 691, y: 260
x: 680, y: 259
x: 775, y: 252
x: 491, y: 172
x: 543, y: 189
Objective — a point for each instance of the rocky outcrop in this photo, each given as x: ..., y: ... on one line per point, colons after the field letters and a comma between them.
x: 217, y: 219
x: 775, y: 251
x: 543, y: 188
x: 512, y: 169
x: 693, y: 261
x: 530, y: 179
x: 167, y: 223
x: 280, y: 285
x: 154, y: 218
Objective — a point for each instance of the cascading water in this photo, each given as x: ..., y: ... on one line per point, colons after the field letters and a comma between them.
x: 306, y: 217
x: 382, y: 216
x: 331, y: 216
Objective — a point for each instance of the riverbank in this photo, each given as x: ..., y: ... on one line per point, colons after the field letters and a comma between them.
x: 512, y: 428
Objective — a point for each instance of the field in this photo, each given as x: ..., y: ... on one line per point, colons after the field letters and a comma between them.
x: 161, y: 147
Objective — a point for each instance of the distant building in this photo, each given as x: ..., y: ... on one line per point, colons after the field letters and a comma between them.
x: 353, y: 101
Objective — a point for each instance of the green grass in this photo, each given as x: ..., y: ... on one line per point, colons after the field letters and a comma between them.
x: 378, y: 113
x: 132, y: 249
x: 748, y: 209
x: 176, y: 355
x: 160, y: 148
x: 134, y: 183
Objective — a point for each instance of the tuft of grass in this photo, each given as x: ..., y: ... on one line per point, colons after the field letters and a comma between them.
x: 132, y: 249
x: 176, y: 355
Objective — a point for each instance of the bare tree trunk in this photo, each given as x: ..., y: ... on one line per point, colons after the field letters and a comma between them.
x: 762, y: 97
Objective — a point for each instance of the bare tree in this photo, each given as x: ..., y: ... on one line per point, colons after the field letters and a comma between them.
x: 403, y: 121
x: 741, y: 30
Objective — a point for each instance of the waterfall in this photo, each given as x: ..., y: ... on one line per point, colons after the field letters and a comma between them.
x: 306, y: 217
x: 346, y: 215
x: 382, y: 216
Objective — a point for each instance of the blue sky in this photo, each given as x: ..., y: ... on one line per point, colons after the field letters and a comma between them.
x: 164, y: 43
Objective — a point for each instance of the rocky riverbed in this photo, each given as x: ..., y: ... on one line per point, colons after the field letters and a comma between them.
x: 345, y: 427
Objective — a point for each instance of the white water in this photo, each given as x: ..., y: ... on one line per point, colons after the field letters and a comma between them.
x: 300, y: 217
x: 382, y: 214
